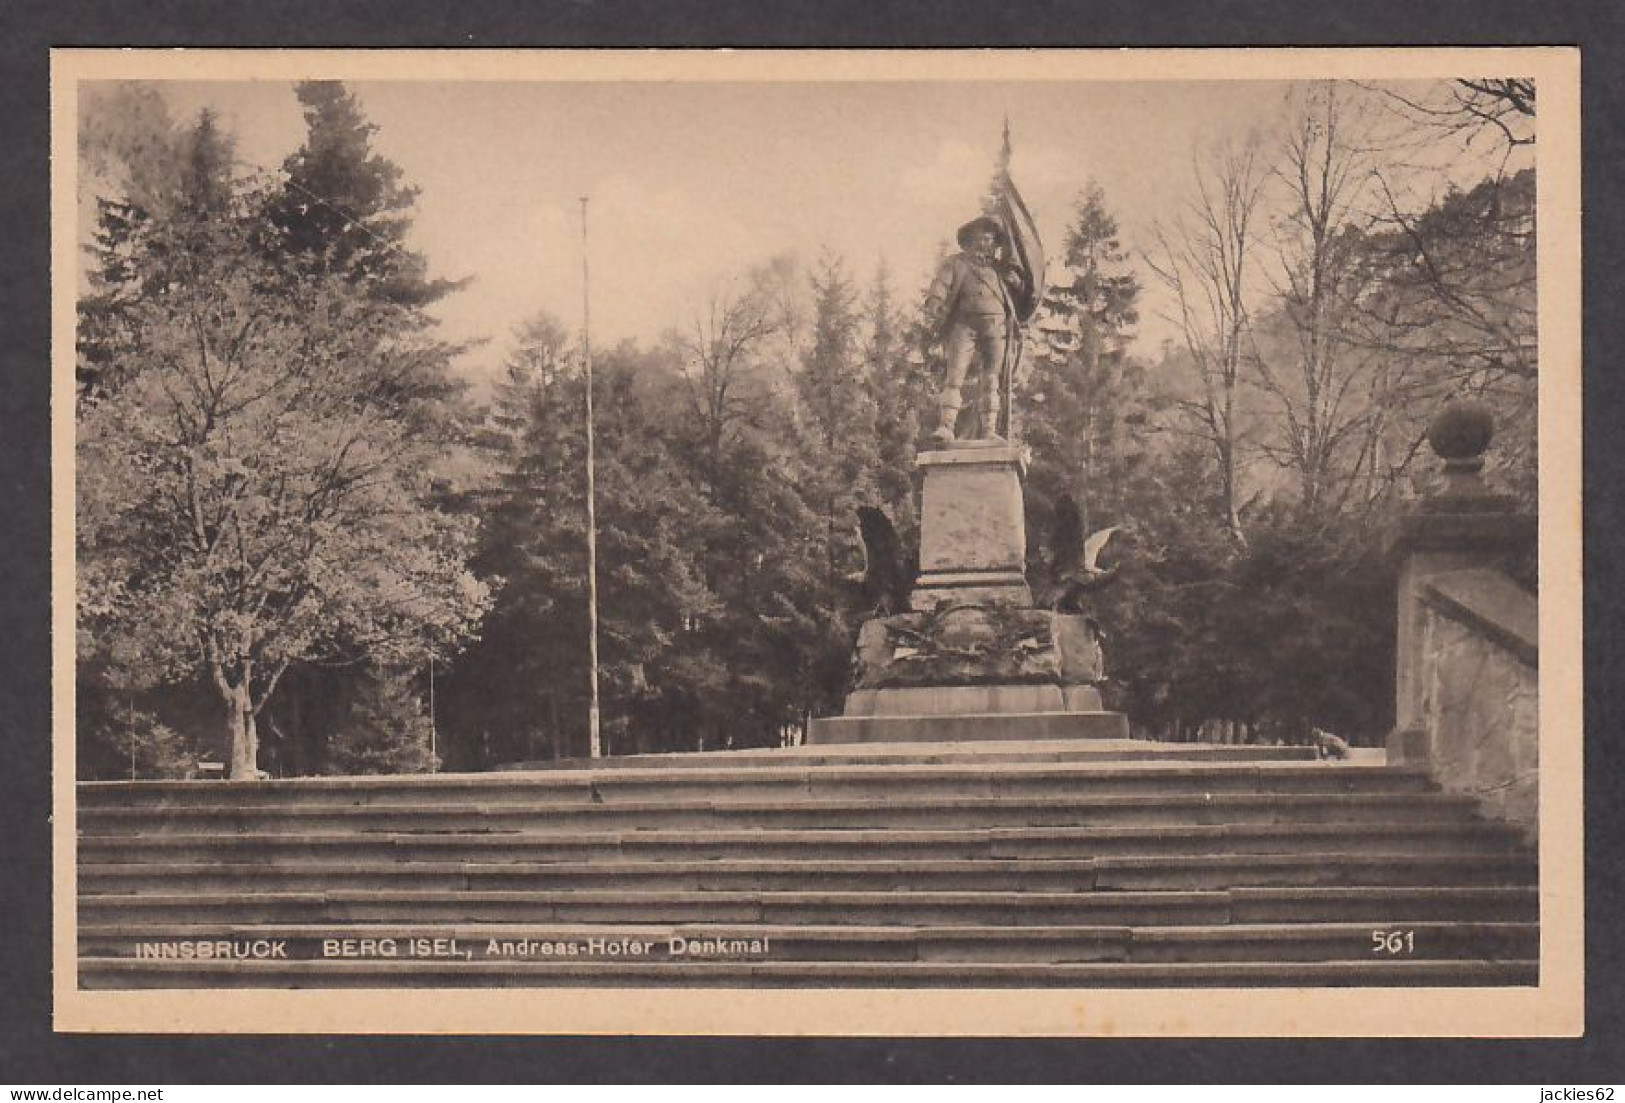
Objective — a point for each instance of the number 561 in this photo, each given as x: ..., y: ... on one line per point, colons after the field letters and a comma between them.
x: 1393, y: 943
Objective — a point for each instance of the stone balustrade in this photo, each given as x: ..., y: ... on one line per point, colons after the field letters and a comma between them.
x: 1466, y: 685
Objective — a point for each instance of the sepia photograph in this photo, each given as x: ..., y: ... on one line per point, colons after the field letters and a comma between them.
x: 1011, y: 542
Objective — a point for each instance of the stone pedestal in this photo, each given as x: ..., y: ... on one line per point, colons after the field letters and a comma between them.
x: 973, y: 534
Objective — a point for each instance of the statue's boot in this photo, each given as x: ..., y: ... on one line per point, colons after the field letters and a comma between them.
x: 945, y: 427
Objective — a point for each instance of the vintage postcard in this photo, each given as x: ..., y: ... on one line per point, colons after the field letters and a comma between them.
x: 1051, y: 543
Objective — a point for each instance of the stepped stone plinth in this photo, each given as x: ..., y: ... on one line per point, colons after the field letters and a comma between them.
x: 974, y: 659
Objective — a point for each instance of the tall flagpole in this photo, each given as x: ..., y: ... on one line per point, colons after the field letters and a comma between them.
x: 1006, y: 422
x: 594, y: 748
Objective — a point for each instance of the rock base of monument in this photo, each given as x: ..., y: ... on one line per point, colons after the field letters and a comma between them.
x: 974, y: 659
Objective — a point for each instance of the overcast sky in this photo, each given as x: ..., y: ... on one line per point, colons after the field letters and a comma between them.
x: 692, y: 183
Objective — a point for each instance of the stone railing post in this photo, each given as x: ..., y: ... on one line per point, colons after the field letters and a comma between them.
x: 1465, y: 527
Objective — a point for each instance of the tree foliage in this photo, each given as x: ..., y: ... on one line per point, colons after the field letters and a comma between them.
x: 522, y: 692
x: 252, y: 481
x: 901, y: 395
x: 342, y: 207
x: 289, y: 509
x: 1081, y: 407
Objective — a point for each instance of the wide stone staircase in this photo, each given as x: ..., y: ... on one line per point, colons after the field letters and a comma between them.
x: 1087, y: 864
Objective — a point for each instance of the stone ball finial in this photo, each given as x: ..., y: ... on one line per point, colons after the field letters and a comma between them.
x: 1461, y: 432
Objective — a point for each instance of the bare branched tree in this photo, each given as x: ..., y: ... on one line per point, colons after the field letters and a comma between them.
x: 1205, y: 260
x: 1463, y: 279
x: 1319, y: 383
x: 1468, y: 108
x: 1454, y: 307
x: 1468, y: 264
x: 722, y: 356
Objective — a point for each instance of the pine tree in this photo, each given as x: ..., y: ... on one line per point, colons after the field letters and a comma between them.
x: 838, y: 461
x: 1082, y: 405
x: 343, y: 208
x: 174, y: 206
x: 522, y: 692
x: 387, y: 730
x: 342, y: 211
x: 837, y: 412
x: 209, y: 156
x: 899, y: 388
x: 127, y: 144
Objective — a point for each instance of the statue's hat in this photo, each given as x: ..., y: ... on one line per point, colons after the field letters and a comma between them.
x: 984, y: 224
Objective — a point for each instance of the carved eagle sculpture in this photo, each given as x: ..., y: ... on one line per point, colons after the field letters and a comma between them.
x: 1075, y: 569
x: 887, y: 576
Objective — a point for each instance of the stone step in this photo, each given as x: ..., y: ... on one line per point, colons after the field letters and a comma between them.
x: 509, y: 942
x: 901, y: 812
x: 128, y: 973
x: 1443, y: 837
x: 987, y: 753
x: 1107, y: 863
x: 729, y: 874
x: 1358, y: 904
x: 1374, y: 904
x: 873, y: 781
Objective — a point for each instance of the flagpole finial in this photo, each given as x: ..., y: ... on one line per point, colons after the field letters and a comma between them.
x: 1004, y: 152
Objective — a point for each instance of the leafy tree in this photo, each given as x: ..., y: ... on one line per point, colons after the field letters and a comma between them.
x: 118, y: 737
x: 758, y: 398
x: 727, y: 364
x: 1456, y: 113
x: 246, y: 499
x: 1451, y: 311
x: 1291, y: 630
x: 1312, y: 618
x: 127, y: 144
x: 1165, y: 619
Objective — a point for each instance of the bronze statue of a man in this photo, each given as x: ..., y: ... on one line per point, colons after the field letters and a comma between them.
x: 972, y: 310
